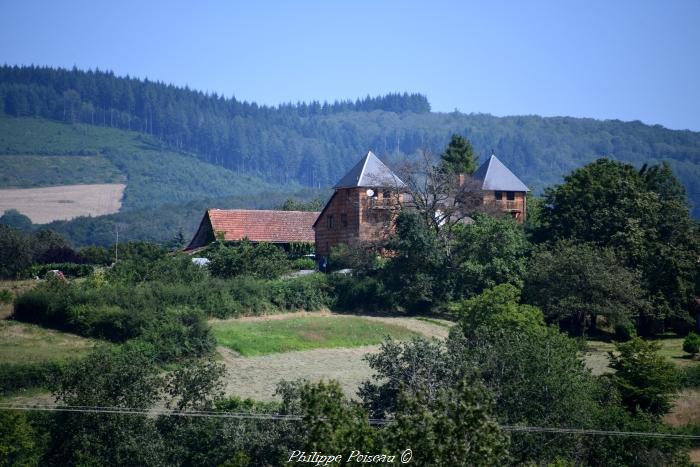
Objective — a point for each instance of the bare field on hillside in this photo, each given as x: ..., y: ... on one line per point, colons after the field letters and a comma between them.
x: 43, y: 205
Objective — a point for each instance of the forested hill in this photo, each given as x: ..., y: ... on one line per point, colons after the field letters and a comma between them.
x: 314, y: 143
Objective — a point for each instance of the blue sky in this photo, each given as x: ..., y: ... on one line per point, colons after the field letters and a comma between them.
x: 632, y: 60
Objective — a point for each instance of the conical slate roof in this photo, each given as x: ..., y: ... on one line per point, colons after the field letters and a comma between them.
x: 496, y: 176
x: 370, y: 172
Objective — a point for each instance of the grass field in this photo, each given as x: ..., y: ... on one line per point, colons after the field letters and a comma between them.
x: 596, y: 355
x: 28, y: 343
x: 44, y: 205
x: 304, y: 333
x: 32, y: 171
x: 257, y: 377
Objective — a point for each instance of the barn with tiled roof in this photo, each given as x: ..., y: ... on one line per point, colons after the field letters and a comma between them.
x: 279, y: 227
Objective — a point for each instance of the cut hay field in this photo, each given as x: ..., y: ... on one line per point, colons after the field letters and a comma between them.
x: 256, y: 377
x: 47, y: 204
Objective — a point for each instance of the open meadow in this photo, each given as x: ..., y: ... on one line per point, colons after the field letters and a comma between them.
x: 260, y: 352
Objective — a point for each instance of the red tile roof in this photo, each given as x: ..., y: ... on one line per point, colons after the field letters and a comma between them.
x: 264, y: 226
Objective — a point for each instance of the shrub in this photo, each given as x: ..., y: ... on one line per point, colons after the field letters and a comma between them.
x: 68, y: 269
x: 304, y: 263
x: 624, y: 332
x: 15, y: 376
x: 182, y: 332
x: 691, y: 344
x: 310, y: 292
x: 46, y: 304
x: 352, y: 293
x: 262, y: 260
x: 5, y: 296
x: 690, y: 377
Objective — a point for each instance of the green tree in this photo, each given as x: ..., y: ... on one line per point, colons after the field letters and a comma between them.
x: 415, y: 274
x: 291, y: 204
x: 647, y: 382
x: 16, y: 252
x: 455, y: 427
x: 574, y: 284
x: 459, y: 157
x: 497, y: 308
x: 333, y: 424
x: 262, y: 260
x: 15, y: 219
x: 490, y: 251
x: 18, y: 441
x: 644, y: 216
x: 691, y: 344
x: 107, y: 378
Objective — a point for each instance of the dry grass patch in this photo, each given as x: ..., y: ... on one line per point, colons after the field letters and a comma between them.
x: 28, y: 343
x: 43, y: 205
x: 686, y: 409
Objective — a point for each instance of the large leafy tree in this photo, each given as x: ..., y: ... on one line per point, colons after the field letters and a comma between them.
x: 490, y: 251
x: 16, y: 251
x: 643, y: 215
x: 573, y: 284
x: 455, y: 427
x: 459, y: 157
x: 416, y: 273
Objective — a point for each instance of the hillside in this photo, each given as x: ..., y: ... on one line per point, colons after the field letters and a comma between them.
x: 36, y: 152
x: 163, y: 223
x: 314, y: 143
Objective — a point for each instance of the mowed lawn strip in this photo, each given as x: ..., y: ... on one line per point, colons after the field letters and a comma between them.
x: 304, y: 333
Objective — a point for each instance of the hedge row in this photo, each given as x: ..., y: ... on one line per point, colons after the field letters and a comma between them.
x: 16, y: 376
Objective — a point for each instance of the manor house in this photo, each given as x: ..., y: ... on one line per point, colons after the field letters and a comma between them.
x: 361, y: 209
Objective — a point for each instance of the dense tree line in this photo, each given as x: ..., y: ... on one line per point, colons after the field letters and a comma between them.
x: 314, y: 143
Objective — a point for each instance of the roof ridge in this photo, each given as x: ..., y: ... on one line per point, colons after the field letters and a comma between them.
x: 364, y: 166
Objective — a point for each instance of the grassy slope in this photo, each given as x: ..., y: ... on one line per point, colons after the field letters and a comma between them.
x: 27, y: 171
x: 154, y: 176
x: 28, y: 343
x: 304, y: 333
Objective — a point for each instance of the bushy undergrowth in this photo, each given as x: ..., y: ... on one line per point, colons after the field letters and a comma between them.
x: 117, y: 313
x: 15, y: 376
x: 68, y: 269
x: 690, y: 377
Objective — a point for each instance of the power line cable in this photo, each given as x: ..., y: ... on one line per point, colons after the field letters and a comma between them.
x: 291, y: 417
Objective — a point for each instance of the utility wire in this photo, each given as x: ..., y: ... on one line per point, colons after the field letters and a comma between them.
x: 291, y: 417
